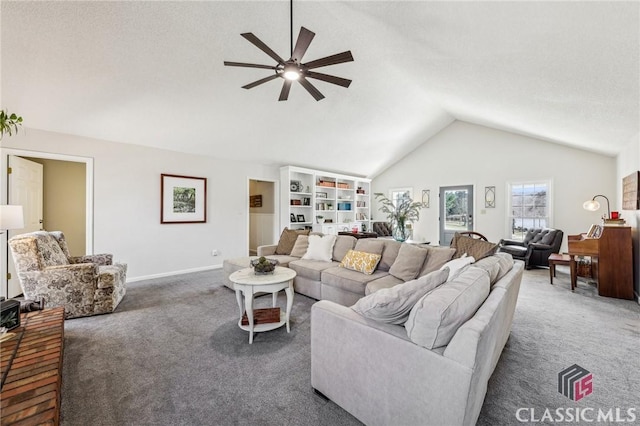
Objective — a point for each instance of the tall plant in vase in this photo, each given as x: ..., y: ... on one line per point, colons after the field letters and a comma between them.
x: 400, y: 214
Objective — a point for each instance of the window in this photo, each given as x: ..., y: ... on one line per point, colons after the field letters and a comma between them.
x: 398, y: 194
x: 529, y: 207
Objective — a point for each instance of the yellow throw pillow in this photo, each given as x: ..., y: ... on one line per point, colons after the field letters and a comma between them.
x: 360, y: 261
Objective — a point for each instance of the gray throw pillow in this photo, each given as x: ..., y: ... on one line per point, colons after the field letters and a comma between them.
x: 288, y: 239
x: 436, y: 317
x: 408, y: 263
x: 301, y: 246
x: 392, y: 305
x: 436, y: 257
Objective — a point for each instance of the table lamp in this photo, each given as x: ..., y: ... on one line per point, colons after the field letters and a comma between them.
x: 593, y: 205
x: 11, y: 217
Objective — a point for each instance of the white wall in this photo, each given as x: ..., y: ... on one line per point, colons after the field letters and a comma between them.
x: 127, y: 202
x: 629, y: 162
x: 465, y: 153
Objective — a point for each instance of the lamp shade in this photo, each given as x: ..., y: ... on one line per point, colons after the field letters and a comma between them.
x: 11, y: 217
x: 591, y: 205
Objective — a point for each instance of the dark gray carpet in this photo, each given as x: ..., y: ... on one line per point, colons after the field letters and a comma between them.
x: 172, y: 354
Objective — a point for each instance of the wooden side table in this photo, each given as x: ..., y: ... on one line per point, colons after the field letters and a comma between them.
x: 31, y: 364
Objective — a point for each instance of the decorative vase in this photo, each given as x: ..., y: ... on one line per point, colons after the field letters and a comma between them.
x: 399, y: 232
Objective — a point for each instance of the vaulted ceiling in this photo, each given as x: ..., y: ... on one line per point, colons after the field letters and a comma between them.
x: 151, y: 73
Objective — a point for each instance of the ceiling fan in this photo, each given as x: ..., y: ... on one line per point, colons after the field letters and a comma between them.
x: 293, y: 69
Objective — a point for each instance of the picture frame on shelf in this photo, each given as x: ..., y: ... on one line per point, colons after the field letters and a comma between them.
x: 300, y: 218
x: 292, y: 218
x: 321, y: 195
x: 306, y: 201
x: 183, y: 199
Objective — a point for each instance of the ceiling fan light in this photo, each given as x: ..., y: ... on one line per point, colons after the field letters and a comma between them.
x: 291, y: 72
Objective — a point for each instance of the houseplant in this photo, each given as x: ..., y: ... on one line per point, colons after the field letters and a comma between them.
x: 400, y: 214
x: 9, y: 123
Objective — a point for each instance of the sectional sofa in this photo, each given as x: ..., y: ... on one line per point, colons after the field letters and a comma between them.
x: 415, y: 341
x: 328, y: 281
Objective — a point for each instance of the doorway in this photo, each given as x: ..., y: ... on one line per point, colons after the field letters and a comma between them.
x: 456, y: 211
x: 79, y: 185
x: 262, y: 214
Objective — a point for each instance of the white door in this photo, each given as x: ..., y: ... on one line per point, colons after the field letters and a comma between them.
x: 25, y: 189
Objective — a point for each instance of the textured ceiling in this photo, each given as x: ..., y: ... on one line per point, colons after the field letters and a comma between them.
x: 151, y: 73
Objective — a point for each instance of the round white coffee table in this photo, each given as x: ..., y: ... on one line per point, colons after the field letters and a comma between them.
x: 247, y: 282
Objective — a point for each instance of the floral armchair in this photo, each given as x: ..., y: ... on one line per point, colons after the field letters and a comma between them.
x: 84, y: 285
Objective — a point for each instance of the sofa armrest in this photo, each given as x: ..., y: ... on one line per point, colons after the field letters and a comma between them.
x: 508, y: 242
x: 372, y: 370
x: 100, y: 259
x: 267, y: 250
x: 539, y: 246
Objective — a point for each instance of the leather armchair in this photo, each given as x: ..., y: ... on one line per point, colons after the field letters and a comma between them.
x: 536, y: 248
x: 84, y: 285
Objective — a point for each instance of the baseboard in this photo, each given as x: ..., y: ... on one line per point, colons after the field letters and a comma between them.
x: 172, y: 273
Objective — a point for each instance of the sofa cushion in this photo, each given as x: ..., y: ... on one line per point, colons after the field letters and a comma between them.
x: 310, y: 269
x: 369, y: 245
x: 436, y: 257
x: 408, y: 262
x: 288, y: 239
x: 389, y: 254
x: 548, y: 236
x: 49, y: 251
x: 346, y: 279
x: 506, y: 264
x: 435, y: 318
x: 472, y: 247
x: 490, y: 264
x: 344, y: 243
x: 456, y: 266
x: 360, y: 261
x: 387, y: 281
x: 392, y: 305
x: 320, y: 248
x: 301, y: 245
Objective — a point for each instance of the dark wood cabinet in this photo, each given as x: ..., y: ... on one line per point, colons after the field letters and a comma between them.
x: 612, y: 259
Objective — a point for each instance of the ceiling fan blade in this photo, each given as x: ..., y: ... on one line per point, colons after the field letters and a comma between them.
x: 284, y: 94
x: 302, y: 44
x: 260, y: 45
x: 329, y: 78
x: 259, y: 82
x: 338, y: 58
x: 242, y: 64
x: 311, y: 89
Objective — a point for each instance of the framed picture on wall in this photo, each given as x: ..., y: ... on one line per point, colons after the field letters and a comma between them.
x: 183, y: 199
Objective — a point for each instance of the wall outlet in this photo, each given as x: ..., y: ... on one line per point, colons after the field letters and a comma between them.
x: 215, y: 253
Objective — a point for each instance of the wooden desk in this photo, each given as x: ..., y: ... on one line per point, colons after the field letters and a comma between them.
x: 31, y: 364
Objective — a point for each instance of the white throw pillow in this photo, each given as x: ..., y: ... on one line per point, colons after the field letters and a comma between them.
x: 456, y: 265
x: 320, y: 247
x: 436, y: 317
x: 392, y: 305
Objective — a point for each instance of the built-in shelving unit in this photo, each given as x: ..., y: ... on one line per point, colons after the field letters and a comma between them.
x: 323, y: 201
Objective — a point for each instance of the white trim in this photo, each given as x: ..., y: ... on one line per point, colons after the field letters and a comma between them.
x: 4, y: 196
x: 276, y: 210
x: 173, y: 273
